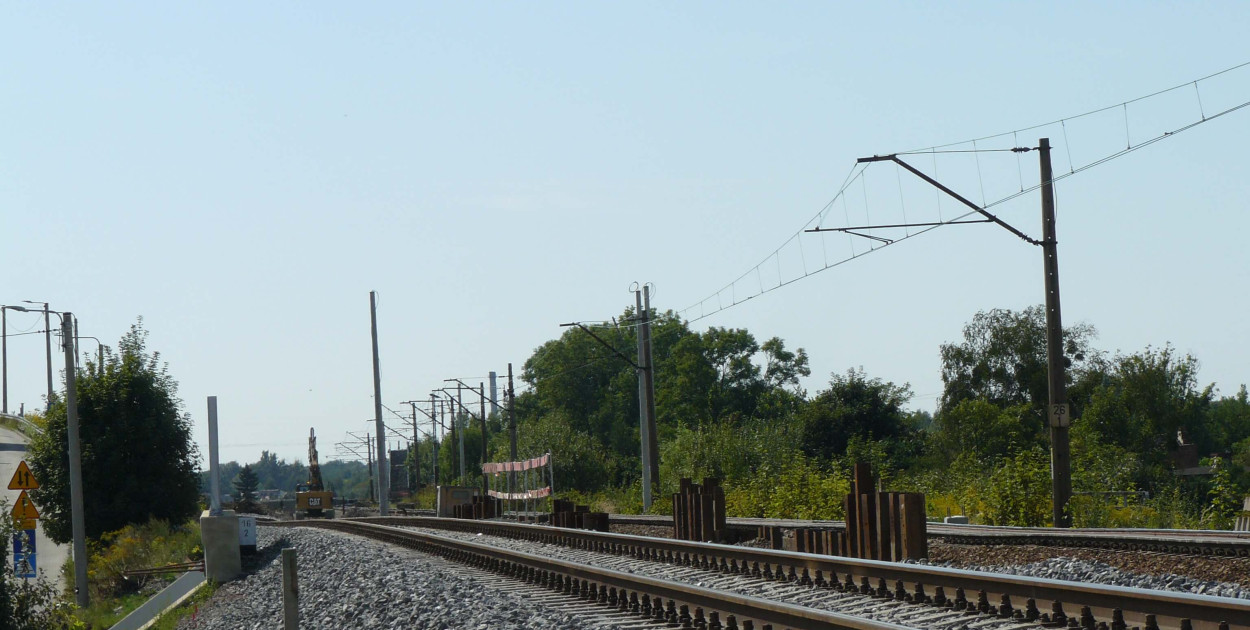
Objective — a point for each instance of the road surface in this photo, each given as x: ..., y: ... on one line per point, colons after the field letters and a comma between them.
x: 49, y: 557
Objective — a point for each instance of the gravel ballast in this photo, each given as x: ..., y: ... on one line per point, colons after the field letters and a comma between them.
x: 351, y: 582
x: 348, y: 581
x: 1202, y: 575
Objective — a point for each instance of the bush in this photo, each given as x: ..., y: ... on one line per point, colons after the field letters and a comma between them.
x: 26, y: 604
x: 153, y: 544
x: 1018, y: 492
x: 799, y: 490
x: 731, y: 451
x: 1223, y: 499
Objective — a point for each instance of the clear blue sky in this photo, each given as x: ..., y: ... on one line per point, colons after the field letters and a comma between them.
x: 242, y: 175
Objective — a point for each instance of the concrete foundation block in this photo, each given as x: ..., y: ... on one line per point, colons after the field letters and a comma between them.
x: 222, y: 561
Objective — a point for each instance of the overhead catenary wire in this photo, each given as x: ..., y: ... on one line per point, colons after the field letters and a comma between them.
x: 31, y: 332
x: 1081, y: 115
x: 698, y: 310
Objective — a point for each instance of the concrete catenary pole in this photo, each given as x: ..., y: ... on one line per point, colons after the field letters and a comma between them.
x: 460, y: 428
x: 652, y: 433
x: 1057, y: 413
x: 214, y: 468
x: 481, y: 393
x: 47, y: 340
x: 511, y: 429
x: 644, y: 425
x: 494, y: 394
x: 511, y: 417
x: 4, y: 358
x: 415, y: 477
x: 435, y: 433
x: 383, y: 485
x: 450, y: 406
x: 78, y: 521
x: 369, y: 462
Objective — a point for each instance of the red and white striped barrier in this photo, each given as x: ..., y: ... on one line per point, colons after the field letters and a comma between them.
x: 532, y: 485
x: 494, y: 468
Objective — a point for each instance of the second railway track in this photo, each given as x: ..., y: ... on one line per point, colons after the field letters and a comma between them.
x: 941, y: 597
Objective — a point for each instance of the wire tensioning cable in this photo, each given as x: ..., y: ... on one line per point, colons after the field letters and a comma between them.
x: 857, y: 172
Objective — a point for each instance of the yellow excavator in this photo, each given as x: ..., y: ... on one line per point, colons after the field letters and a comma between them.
x: 312, y: 500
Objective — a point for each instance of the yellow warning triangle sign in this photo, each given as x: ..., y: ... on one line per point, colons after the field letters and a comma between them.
x: 24, y: 509
x: 23, y: 479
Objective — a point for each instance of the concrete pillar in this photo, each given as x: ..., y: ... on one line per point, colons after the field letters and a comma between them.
x: 220, y: 534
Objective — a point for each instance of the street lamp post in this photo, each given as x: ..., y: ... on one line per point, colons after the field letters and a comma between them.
x: 4, y: 358
x: 47, y: 340
x: 4, y: 354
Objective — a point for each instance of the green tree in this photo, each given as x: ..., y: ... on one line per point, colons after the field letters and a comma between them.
x: 984, y: 431
x: 1002, y: 360
x: 720, y: 375
x: 1230, y: 419
x: 854, y: 406
x: 580, y: 461
x: 245, y: 488
x: 733, y: 453
x: 138, y: 460
x: 1147, y: 401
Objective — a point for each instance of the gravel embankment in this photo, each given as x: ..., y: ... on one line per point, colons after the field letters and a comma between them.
x: 351, y: 582
x: 1204, y: 575
x: 1223, y: 577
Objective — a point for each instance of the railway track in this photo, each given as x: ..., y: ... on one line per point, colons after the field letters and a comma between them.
x: 1175, y: 541
x: 942, y: 597
x: 654, y: 603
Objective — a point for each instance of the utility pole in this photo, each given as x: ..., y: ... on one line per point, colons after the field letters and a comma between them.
x: 369, y: 462
x: 511, y: 417
x: 47, y: 340
x: 437, y: 410
x: 383, y: 486
x: 1057, y: 414
x: 494, y: 394
x: 78, y: 521
x: 460, y: 406
x: 644, y: 419
x: 4, y: 358
x: 649, y: 375
x: 511, y: 429
x: 414, y: 478
x: 450, y: 405
x: 481, y: 392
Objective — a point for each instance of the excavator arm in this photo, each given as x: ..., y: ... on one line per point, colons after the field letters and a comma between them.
x: 314, y: 468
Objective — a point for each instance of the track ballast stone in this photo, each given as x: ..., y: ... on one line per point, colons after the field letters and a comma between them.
x: 1202, y: 575
x: 350, y: 582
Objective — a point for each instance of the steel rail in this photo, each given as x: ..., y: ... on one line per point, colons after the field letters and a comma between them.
x: 1169, y: 609
x: 629, y: 592
x: 1180, y: 541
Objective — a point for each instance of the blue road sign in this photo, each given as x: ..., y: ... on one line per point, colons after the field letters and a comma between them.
x: 24, y: 565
